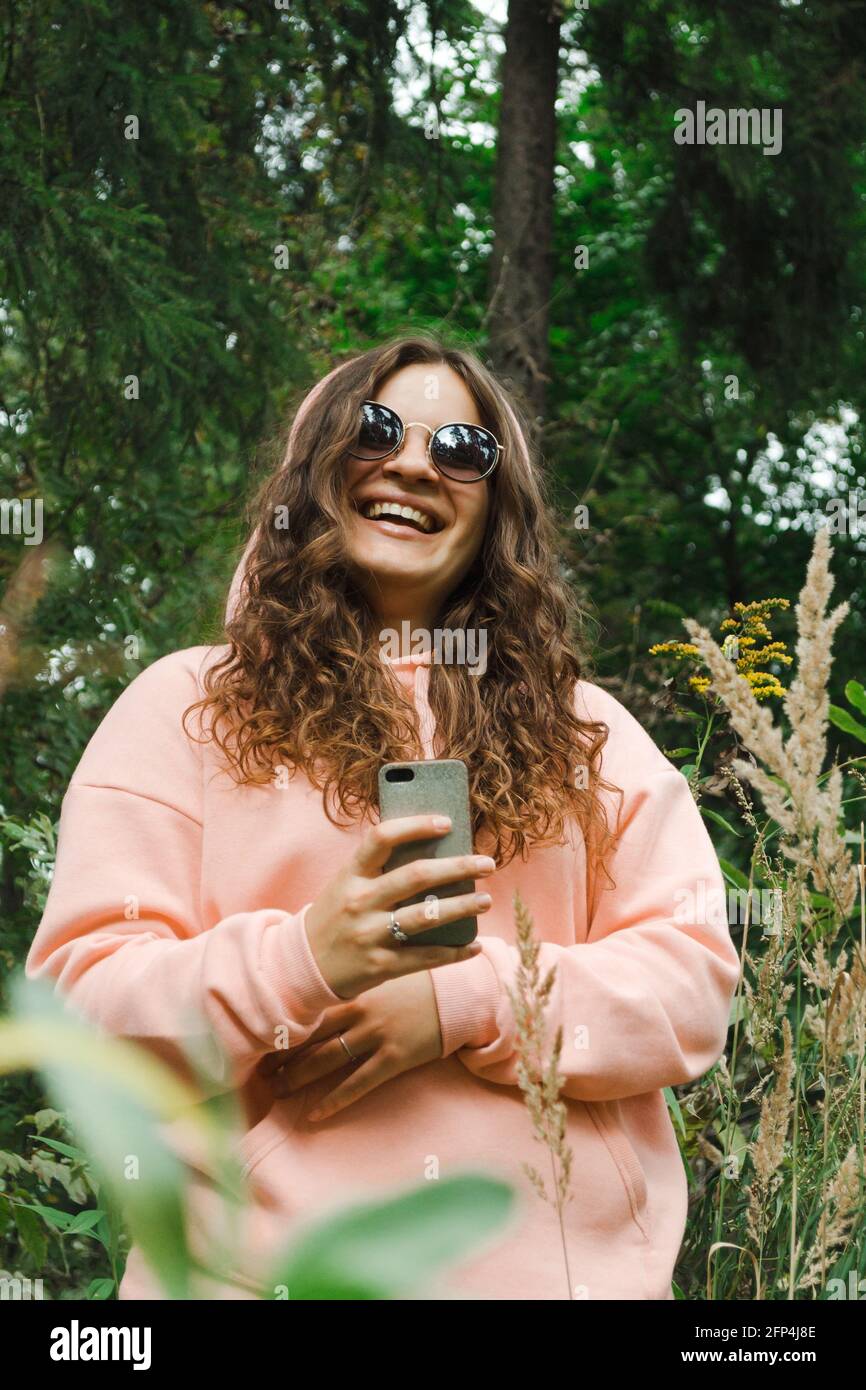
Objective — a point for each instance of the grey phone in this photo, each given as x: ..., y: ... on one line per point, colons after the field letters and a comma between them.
x: 433, y: 787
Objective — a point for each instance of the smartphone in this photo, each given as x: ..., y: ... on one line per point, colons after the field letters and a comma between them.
x: 435, y: 787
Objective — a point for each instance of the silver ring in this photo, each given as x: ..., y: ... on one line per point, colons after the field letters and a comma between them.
x: 395, y: 930
x: 349, y: 1053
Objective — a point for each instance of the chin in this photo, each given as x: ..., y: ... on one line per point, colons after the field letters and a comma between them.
x: 392, y: 570
x: 395, y: 558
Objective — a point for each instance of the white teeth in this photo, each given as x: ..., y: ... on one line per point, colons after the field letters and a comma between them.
x: 374, y: 509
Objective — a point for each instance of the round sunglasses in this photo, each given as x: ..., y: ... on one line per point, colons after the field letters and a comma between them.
x: 464, y: 453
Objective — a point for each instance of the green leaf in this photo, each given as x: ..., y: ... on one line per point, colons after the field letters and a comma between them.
x: 847, y: 723
x: 821, y: 900
x: 12, y: 1163
x: 856, y: 695
x: 733, y: 874
x: 60, y: 1220
x: 102, y: 1231
x: 46, y: 1168
x: 73, y: 1176
x: 67, y: 1149
x: 44, y: 1119
x: 687, y: 769
x: 100, y: 1289
x: 720, y: 820
x: 678, y: 752
x: 31, y: 1233
x: 675, y: 1109
x: 739, y: 1009
x: 85, y: 1222
x: 383, y: 1249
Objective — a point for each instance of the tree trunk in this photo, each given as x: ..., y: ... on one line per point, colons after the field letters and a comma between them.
x: 521, y: 271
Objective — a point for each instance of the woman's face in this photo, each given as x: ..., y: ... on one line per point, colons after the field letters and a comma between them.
x: 400, y: 567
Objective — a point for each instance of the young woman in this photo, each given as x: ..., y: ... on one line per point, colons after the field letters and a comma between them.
x: 230, y: 796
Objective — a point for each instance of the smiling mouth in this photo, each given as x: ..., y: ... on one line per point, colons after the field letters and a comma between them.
x: 411, y: 517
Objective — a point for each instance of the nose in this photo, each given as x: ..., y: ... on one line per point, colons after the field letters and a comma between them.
x: 412, y: 460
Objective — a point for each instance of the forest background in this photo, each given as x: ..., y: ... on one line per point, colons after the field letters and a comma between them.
x: 202, y: 205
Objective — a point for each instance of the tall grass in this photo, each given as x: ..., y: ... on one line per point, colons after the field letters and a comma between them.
x: 778, y: 1144
x: 773, y: 1136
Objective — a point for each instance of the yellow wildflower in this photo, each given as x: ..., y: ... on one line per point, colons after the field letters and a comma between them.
x: 741, y: 647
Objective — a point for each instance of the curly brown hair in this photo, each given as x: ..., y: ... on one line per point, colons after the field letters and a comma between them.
x: 301, y: 684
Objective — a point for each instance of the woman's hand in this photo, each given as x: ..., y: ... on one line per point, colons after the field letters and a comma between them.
x: 347, y: 925
x: 390, y: 1029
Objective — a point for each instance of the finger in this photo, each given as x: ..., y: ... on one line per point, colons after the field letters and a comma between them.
x: 360, y: 1083
x: 336, y: 1020
x: 425, y: 875
x: 377, y: 843
x: 271, y: 1062
x: 413, y: 918
x: 286, y: 1058
x: 326, y: 1058
x: 410, y: 959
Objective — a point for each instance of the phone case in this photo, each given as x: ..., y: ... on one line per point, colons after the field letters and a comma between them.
x: 432, y: 787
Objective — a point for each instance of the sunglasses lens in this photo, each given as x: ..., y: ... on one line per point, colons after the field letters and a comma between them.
x: 464, y: 451
x: 378, y: 433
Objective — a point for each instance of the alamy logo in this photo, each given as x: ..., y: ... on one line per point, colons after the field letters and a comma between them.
x: 77, y: 1343
x: 856, y: 1289
x: 738, y: 126
x: 22, y: 517
x: 19, y: 1289
x: 449, y: 646
x: 727, y: 906
x: 846, y: 518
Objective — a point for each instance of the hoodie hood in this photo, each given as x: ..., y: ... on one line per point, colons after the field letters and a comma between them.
x: 413, y: 674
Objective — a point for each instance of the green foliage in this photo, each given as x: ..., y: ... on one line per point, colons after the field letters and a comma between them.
x: 389, y: 1249
x: 281, y: 203
x: 37, y: 839
x: 117, y: 1095
x: 53, y: 1209
x: 856, y: 696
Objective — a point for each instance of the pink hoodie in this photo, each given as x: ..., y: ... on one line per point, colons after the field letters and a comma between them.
x: 221, y: 877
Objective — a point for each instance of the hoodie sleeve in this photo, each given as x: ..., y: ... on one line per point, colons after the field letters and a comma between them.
x: 122, y: 933
x: 644, y: 1002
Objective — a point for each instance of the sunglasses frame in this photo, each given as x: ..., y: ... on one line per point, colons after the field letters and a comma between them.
x: 500, y: 448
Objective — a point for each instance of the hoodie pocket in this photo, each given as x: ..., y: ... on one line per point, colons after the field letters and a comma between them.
x: 605, y: 1116
x: 269, y: 1131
